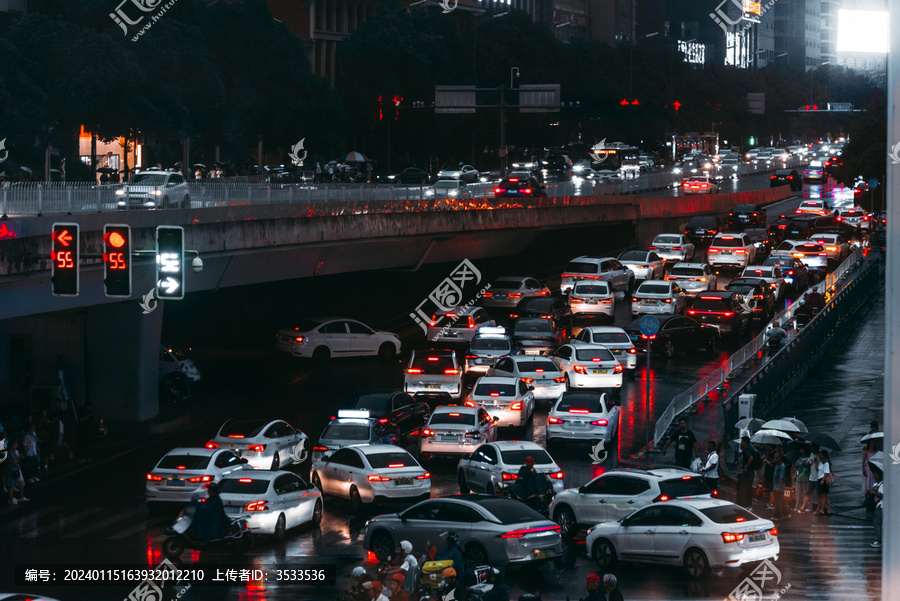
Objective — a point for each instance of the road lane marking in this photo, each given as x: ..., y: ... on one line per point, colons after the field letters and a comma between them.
x: 104, y: 523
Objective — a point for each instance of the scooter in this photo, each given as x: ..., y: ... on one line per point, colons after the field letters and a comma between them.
x: 238, y: 537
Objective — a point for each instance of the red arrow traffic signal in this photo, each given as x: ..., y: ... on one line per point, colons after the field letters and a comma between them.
x: 62, y: 236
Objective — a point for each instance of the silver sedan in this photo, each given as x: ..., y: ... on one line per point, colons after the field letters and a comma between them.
x: 494, y: 467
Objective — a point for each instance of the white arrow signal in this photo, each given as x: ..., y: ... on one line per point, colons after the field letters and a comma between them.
x: 169, y: 285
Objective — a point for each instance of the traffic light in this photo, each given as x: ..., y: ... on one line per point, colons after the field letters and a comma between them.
x: 65, y: 259
x: 169, y: 262
x: 117, y: 260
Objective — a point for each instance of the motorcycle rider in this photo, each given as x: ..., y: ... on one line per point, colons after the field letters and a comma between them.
x: 210, y: 521
x: 814, y: 301
x: 454, y: 552
x: 592, y: 584
x: 452, y: 588
x: 776, y: 336
x: 499, y: 590
x: 533, y: 488
x: 360, y: 577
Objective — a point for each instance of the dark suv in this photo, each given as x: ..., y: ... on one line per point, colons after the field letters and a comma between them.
x: 746, y: 215
x: 804, y: 227
x: 761, y: 240
x: 757, y: 293
x: 397, y: 410
x: 701, y: 229
x: 722, y: 310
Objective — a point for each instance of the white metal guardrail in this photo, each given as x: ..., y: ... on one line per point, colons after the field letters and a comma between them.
x: 686, y: 400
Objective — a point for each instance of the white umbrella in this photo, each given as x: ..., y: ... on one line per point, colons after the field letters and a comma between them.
x: 749, y: 423
x: 781, y: 424
x: 769, y: 437
x: 877, y: 460
x: 797, y: 423
x: 871, y: 436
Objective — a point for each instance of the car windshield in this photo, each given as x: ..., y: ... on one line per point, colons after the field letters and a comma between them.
x: 811, y: 204
x: 576, y: 267
x: 537, y: 366
x: 825, y: 239
x: 757, y: 233
x: 346, y: 431
x: 598, y: 288
x: 611, y: 337
x: 741, y: 287
x: 517, y: 456
x: 495, y: 389
x: 652, y: 288
x: 533, y: 326
x: 728, y: 514
x: 490, y: 344
x: 711, y: 304
x: 601, y: 354
x: 667, y: 240
x: 506, y: 284
x: 243, y: 486
x: 432, y: 364
x: 728, y: 242
x: 686, y: 272
x: 582, y: 402
x: 307, y: 325
x: 452, y: 417
x: 389, y: 460
x: 183, y: 462
x: 633, y: 255
x: 777, y: 262
x: 693, y: 486
x: 507, y: 511
x: 243, y: 428
x: 148, y: 179
x: 704, y: 222
x: 376, y: 404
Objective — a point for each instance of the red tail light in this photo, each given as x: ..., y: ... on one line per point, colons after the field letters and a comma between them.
x: 426, y: 433
x: 660, y: 498
x: 153, y: 478
x: 424, y: 476
x: 235, y: 436
x: 634, y: 299
x: 517, y: 406
x: 773, y: 531
x: 560, y: 379
x: 652, y: 248
x: 259, y: 448
x: 556, y: 475
x: 414, y: 370
x: 470, y: 404
x: 633, y: 351
x: 677, y: 248
x: 487, y: 294
x: 579, y: 369
x: 618, y: 369
x: 732, y: 537
x: 377, y: 478
x: 523, y: 532
x: 691, y: 312
x: 321, y: 449
x: 200, y: 479
x: 509, y: 476
x: 499, y: 190
x: 526, y: 191
x: 383, y: 420
x: 471, y: 356
x: 555, y: 420
x: 527, y: 380
x: 514, y: 295
x: 574, y: 300
x: 600, y: 422
x: 299, y: 339
x: 257, y: 506
x: 212, y: 445
x: 451, y: 372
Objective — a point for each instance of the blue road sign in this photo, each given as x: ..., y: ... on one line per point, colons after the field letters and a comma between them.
x: 649, y: 325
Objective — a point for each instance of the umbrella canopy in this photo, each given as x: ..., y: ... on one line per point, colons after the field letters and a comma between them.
x: 825, y: 441
x: 877, y: 460
x: 750, y: 423
x: 106, y: 170
x: 769, y: 437
x: 871, y: 436
x: 781, y: 424
x: 797, y: 423
x: 354, y: 157
x: 201, y: 165
x: 26, y: 169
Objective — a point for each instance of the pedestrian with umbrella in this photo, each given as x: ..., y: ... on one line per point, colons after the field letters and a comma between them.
x: 805, y: 486
x: 872, y: 442
x: 876, y: 466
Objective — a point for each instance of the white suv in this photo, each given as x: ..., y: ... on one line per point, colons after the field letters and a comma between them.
x: 154, y: 190
x: 731, y: 250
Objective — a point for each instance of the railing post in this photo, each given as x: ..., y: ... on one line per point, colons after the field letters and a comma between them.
x: 69, y: 197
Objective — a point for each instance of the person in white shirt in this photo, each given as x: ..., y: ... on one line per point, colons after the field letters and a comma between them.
x: 710, y: 469
x: 877, y: 491
x: 824, y: 468
x: 374, y: 590
x: 409, y: 568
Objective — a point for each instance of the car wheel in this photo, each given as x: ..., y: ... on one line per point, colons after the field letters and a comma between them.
x: 280, y: 527
x: 695, y: 563
x: 605, y: 554
x: 669, y: 349
x: 317, y: 482
x: 321, y: 354
x: 463, y: 485
x: 568, y: 384
x: 276, y: 462
x: 317, y: 515
x: 475, y: 555
x: 630, y: 288
x: 355, y: 500
x: 172, y: 547
x: 386, y: 351
x: 381, y: 545
x: 566, y: 520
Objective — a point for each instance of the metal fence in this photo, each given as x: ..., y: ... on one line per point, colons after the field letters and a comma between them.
x: 687, y: 399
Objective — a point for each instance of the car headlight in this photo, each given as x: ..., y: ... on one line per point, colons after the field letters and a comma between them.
x: 392, y: 177
x: 120, y: 192
x: 156, y: 192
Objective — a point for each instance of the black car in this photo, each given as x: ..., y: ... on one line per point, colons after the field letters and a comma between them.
x: 395, y: 409
x: 761, y: 240
x: 519, y: 184
x: 410, y: 175
x: 803, y: 227
x: 777, y: 227
x: 675, y: 333
x: 786, y: 177
x: 746, y: 215
x: 881, y: 221
x: 701, y: 229
x: 544, y: 307
x: 537, y: 336
x: 794, y: 272
x: 758, y: 295
x: 722, y: 310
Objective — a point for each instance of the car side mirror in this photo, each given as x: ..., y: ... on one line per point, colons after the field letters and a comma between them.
x: 496, y: 418
x: 244, y: 460
x: 531, y: 388
x: 581, y: 490
x: 467, y: 456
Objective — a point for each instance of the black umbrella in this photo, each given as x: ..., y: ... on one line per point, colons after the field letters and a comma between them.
x: 825, y: 441
x: 108, y: 170
x: 200, y: 165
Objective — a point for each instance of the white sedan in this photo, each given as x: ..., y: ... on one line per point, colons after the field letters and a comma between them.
x: 588, y: 299
x: 616, y: 340
x: 770, y: 274
x: 265, y: 444
x: 583, y: 416
x: 657, y: 298
x: 272, y: 502
x: 507, y: 398
x: 494, y: 467
x: 371, y: 473
x: 646, y: 264
x: 588, y: 366
x: 673, y: 247
x: 453, y: 431
x: 700, y: 535
x: 539, y: 372
x: 700, y: 185
x: 693, y: 278
x: 324, y: 338
x: 184, y: 471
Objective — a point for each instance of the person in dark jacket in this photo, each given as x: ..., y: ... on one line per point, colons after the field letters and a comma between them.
x: 592, y: 584
x: 453, y: 551
x: 210, y: 521
x: 452, y: 587
x: 610, y: 582
x: 499, y: 590
x: 533, y: 488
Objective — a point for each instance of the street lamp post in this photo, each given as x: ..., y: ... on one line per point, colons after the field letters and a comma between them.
x: 811, y: 71
x: 631, y: 62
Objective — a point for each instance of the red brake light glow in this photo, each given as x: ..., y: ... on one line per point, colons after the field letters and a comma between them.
x: 509, y: 476
x: 257, y: 506
x: 517, y: 406
x: 245, y: 480
x: 235, y: 436
x: 555, y: 420
x: 731, y: 537
x: 395, y: 465
x: 259, y: 448
x: 523, y: 532
x: 414, y: 370
x: 154, y: 478
x: 578, y: 411
x: 212, y: 445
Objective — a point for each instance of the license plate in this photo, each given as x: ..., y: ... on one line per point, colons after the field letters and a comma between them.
x: 578, y: 425
x: 500, y: 296
x: 541, y: 554
x: 453, y: 437
x: 726, y: 252
x: 404, y: 481
x: 232, y: 509
x: 532, y: 352
x: 615, y: 352
x: 651, y: 302
x: 755, y: 538
x: 174, y: 482
x: 450, y: 335
x: 701, y: 231
x: 543, y: 383
x: 600, y: 372
x: 432, y: 387
x: 590, y: 302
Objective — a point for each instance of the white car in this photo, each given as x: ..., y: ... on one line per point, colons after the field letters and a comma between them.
x: 184, y: 471
x: 489, y: 345
x: 458, y: 325
x: 371, y: 473
x: 494, y: 467
x: 272, y: 502
x: 466, y: 173
x: 456, y: 430
x: 450, y: 188
x: 434, y: 372
x: 731, y: 250
x: 506, y: 292
x: 815, y: 207
x: 177, y: 360
x: 352, y: 427
x: 834, y: 245
x: 507, y: 398
x: 729, y: 166
x: 616, y: 340
x: 265, y: 444
x: 646, y: 264
x: 657, y: 298
x: 810, y: 254
x: 583, y: 416
x: 323, y: 338
x: 588, y: 366
x: 700, y: 184
x: 673, y: 247
x: 855, y: 217
x: 589, y: 299
x: 770, y: 274
x: 606, y: 269
x: 699, y: 535
x: 154, y: 190
x: 693, y: 278
x: 539, y: 372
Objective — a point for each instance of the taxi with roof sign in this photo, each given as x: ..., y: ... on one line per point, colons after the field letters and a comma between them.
x: 354, y: 427
x: 489, y: 345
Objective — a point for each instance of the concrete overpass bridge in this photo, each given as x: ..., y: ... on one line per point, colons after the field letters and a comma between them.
x: 108, y: 348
